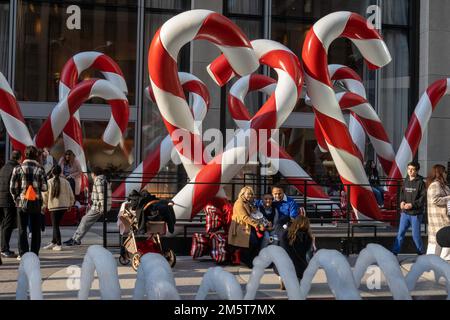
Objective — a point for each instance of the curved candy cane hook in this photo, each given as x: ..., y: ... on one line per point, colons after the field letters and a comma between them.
x: 319, y: 86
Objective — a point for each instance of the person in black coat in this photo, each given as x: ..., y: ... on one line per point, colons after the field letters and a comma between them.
x: 8, y: 211
x: 297, y: 240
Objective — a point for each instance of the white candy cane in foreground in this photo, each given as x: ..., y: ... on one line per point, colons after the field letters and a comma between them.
x: 12, y: 117
x: 327, y: 110
x: 158, y: 157
x: 82, y: 92
x: 163, y: 71
x: 281, y: 160
x: 416, y: 127
x: 72, y: 134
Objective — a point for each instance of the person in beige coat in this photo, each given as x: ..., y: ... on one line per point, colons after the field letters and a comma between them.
x: 58, y: 199
x: 438, y: 194
x: 242, y: 232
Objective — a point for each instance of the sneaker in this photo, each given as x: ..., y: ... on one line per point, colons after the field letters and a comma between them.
x: 8, y: 254
x: 49, y: 246
x: 57, y: 248
x: 72, y: 242
x: 19, y: 258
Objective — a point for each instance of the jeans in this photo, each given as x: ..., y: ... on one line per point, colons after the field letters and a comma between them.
x: 56, y: 217
x: 86, y: 223
x: 35, y: 221
x: 407, y: 220
x: 8, y: 218
x: 379, y: 195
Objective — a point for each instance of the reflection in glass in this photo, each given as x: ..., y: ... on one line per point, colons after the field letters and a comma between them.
x: 4, y: 36
x: 254, y: 7
x: 44, y: 43
x: 318, y: 8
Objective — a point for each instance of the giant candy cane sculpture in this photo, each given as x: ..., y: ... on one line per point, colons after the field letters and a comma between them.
x: 331, y: 120
x: 82, y: 92
x: 371, y: 125
x: 158, y: 157
x: 416, y: 127
x: 12, y: 117
x: 72, y: 134
x: 283, y: 162
x: 273, y: 113
x: 367, y: 119
x: 167, y: 42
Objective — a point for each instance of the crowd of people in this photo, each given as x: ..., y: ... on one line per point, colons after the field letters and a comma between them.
x: 39, y: 184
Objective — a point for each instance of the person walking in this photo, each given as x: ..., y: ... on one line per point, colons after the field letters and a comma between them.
x: 412, y: 205
x: 97, y: 207
x: 8, y: 211
x: 28, y: 181
x: 58, y: 199
x: 438, y: 195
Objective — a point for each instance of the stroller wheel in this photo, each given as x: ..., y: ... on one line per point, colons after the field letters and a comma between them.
x: 123, y: 260
x: 170, y: 257
x: 135, y: 261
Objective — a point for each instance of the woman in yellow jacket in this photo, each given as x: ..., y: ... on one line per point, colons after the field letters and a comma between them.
x: 58, y: 199
x: 242, y: 233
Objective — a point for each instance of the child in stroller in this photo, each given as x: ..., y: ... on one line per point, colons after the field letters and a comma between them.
x: 143, y: 218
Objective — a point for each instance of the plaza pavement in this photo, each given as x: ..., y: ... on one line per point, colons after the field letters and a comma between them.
x: 57, y: 267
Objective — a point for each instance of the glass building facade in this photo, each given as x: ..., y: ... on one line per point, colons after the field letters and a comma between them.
x: 36, y: 41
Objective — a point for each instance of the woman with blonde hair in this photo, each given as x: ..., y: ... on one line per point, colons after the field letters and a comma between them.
x: 242, y: 232
x: 438, y: 194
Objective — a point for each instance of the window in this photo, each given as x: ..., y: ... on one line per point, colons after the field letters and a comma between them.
x: 4, y: 36
x: 44, y: 42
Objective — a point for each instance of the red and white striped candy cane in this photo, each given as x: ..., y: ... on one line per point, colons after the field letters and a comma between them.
x: 162, y: 64
x: 12, y: 117
x: 372, y: 125
x: 416, y: 127
x: 273, y: 113
x: 159, y: 156
x: 320, y: 90
x: 72, y: 134
x: 283, y: 162
x: 82, y: 92
x: 353, y: 83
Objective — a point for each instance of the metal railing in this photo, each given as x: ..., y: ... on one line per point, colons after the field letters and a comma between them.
x: 327, y: 211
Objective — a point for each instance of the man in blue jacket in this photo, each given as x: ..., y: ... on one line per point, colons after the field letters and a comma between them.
x: 286, y: 206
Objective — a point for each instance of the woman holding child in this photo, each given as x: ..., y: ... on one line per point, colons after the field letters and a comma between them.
x: 244, y: 228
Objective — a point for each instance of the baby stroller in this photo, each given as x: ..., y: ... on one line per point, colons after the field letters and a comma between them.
x: 139, y: 242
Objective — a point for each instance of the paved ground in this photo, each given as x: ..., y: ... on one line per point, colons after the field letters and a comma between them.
x: 57, y: 267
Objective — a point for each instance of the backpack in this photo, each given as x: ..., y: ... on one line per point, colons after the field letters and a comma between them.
x: 30, y: 201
